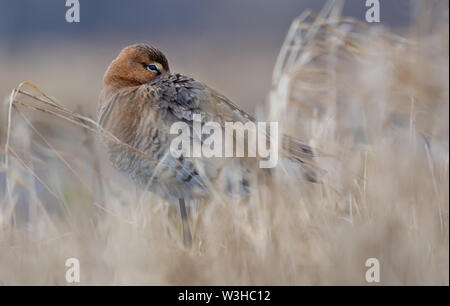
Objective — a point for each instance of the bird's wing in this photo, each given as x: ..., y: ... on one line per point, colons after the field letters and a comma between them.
x: 186, y: 97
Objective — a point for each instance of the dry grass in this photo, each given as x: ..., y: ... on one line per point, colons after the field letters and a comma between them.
x: 376, y: 102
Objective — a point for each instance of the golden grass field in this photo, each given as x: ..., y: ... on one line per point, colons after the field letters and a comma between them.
x: 374, y: 102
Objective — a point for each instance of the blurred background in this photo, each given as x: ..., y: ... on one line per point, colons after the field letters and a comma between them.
x: 231, y: 45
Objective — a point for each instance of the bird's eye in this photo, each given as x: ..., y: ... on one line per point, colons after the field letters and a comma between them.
x: 153, y: 68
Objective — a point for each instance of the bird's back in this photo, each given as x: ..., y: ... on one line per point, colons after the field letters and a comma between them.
x: 141, y: 117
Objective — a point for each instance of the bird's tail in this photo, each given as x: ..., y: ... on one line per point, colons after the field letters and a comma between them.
x: 304, y: 155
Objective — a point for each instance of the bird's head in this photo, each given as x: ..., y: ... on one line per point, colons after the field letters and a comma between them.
x: 134, y: 66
